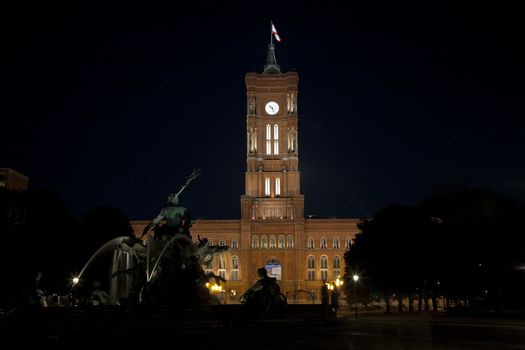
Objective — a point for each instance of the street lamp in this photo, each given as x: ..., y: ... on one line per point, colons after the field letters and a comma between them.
x: 75, y: 281
x: 338, y: 282
x: 355, y: 278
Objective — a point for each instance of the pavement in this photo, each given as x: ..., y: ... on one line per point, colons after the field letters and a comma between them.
x: 228, y: 330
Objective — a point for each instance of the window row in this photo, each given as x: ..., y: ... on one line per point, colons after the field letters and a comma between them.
x: 311, y: 267
x: 273, y: 242
x: 222, y: 267
x: 281, y: 242
x: 323, y: 243
x: 222, y: 242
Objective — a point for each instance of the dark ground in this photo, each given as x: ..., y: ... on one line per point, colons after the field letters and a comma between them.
x: 225, y: 327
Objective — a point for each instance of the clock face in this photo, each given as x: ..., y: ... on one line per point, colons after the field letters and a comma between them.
x: 272, y: 108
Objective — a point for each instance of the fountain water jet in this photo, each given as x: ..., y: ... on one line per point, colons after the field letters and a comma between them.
x: 113, y: 243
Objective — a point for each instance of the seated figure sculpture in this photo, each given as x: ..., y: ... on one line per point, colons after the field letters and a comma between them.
x: 264, y: 294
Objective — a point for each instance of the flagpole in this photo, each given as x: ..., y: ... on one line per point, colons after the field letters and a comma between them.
x: 271, y: 34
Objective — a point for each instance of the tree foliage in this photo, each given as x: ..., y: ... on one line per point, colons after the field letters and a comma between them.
x: 465, y: 245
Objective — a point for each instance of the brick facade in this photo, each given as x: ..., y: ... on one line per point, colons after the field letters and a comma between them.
x: 272, y: 230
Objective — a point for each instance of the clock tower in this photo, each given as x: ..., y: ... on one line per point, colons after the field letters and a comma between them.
x: 272, y: 232
x: 272, y: 179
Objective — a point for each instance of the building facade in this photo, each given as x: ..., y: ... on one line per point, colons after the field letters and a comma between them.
x: 273, y: 231
x: 13, y: 180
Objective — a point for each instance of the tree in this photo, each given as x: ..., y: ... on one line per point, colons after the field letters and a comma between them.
x: 34, y: 223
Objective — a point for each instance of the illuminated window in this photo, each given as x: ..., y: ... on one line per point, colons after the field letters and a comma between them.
x: 337, y: 262
x: 289, y: 241
x: 267, y: 187
x: 324, y: 267
x: 222, y: 242
x: 264, y: 242
x: 323, y: 243
x: 268, y: 139
x: 222, y: 269
x: 311, y: 262
x: 235, y: 243
x: 324, y: 262
x: 310, y: 243
x: 280, y: 242
x: 234, y: 275
x: 276, y: 139
x: 255, y: 242
x: 208, y: 266
x: 235, y: 268
x: 277, y: 187
x: 210, y: 241
x: 272, y: 242
x: 336, y: 243
x: 311, y: 268
x: 337, y: 266
x: 348, y: 242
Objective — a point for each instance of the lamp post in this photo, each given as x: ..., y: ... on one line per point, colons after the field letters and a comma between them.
x: 76, y: 280
x: 355, y: 278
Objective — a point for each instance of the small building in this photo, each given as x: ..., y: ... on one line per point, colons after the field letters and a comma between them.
x: 13, y: 180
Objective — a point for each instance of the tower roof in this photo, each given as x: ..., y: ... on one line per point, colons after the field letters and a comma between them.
x: 271, y: 66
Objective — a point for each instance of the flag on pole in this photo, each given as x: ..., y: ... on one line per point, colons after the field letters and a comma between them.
x: 274, y: 32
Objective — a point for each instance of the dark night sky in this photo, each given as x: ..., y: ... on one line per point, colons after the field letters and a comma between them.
x: 114, y: 104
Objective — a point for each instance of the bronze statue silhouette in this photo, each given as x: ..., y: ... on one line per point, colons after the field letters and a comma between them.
x: 176, y: 218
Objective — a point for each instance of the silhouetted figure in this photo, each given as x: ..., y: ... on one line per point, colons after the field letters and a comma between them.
x: 263, y: 294
x: 335, y: 299
x: 177, y: 218
x: 325, y: 295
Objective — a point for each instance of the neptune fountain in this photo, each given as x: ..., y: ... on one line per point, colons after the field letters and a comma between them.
x: 164, y: 266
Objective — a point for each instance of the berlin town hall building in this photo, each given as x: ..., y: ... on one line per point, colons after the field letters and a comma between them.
x: 273, y: 231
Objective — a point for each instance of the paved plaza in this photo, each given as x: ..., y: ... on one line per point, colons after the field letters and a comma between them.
x: 300, y: 331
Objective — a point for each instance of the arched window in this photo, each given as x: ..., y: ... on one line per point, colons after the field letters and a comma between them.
x: 311, y: 268
x: 310, y: 243
x: 337, y: 266
x: 336, y: 243
x: 235, y: 243
x: 323, y: 243
x: 289, y: 241
x: 267, y: 186
x: 272, y: 242
x: 222, y: 266
x: 324, y: 267
x: 210, y: 241
x: 235, y: 268
x: 280, y: 242
x: 348, y: 242
x: 255, y: 242
x: 264, y: 242
x: 337, y: 262
x: 268, y: 139
x: 208, y: 267
x: 276, y: 139
x: 324, y: 262
x: 277, y: 187
x: 222, y: 242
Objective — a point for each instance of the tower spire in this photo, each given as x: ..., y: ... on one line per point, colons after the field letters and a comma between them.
x: 271, y: 66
